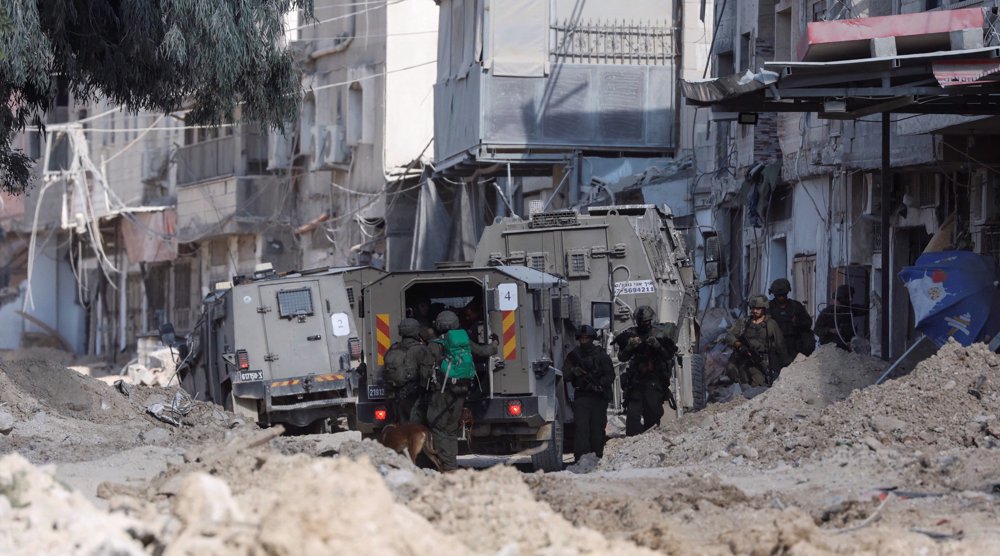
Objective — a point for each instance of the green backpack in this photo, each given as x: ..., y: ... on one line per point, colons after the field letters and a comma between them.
x: 457, y: 363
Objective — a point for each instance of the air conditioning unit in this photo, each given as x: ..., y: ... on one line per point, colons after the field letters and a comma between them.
x: 279, y: 151
x: 871, y: 204
x: 984, y: 197
x: 329, y: 149
x: 154, y: 164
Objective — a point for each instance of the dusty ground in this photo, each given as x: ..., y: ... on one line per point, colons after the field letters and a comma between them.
x: 823, y: 463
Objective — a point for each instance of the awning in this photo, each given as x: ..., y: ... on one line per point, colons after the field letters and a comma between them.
x: 965, y: 72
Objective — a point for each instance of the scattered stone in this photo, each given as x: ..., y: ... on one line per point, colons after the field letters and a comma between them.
x: 204, y: 500
x: 587, y: 464
x: 887, y: 424
x: 155, y: 435
x: 6, y: 422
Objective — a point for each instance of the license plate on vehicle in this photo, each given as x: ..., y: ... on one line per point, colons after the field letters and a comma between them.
x: 251, y: 376
x: 376, y: 392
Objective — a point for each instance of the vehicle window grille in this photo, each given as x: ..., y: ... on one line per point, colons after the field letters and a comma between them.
x: 537, y: 262
x: 294, y: 303
x: 350, y: 296
x: 554, y: 219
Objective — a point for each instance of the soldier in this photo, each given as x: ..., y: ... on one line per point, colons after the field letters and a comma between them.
x: 835, y: 322
x: 758, y: 347
x: 444, y: 413
x: 792, y: 318
x: 590, y: 370
x: 649, y: 351
x: 403, y: 365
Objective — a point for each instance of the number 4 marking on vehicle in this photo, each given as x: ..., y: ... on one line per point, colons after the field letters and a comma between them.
x: 508, y: 296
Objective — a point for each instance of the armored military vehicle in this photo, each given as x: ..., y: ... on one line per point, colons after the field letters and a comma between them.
x: 614, y: 260
x: 280, y: 348
x: 519, y: 403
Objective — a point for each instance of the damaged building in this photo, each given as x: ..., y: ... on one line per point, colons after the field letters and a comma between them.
x: 794, y: 140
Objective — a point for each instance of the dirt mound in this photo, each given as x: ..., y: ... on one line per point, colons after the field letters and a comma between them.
x: 57, y: 414
x: 494, y: 511
x: 38, y: 515
x: 805, y: 388
x: 950, y: 400
x: 298, y: 505
x: 31, y: 385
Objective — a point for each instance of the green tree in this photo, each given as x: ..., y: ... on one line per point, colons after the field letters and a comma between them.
x: 158, y: 55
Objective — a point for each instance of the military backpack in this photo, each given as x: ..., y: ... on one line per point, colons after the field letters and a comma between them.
x: 457, y: 363
x: 398, y: 369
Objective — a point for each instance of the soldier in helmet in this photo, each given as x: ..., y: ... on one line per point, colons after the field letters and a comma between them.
x: 590, y: 370
x: 758, y: 347
x: 404, y: 363
x: 649, y: 350
x: 447, y: 397
x: 792, y: 318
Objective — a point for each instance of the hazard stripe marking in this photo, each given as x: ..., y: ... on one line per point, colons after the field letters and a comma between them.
x: 509, y: 336
x: 382, y: 335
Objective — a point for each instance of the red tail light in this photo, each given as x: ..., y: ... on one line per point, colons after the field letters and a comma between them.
x: 514, y: 408
x: 242, y: 359
x: 381, y: 413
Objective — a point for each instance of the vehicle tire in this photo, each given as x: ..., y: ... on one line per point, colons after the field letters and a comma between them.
x: 551, y: 458
x: 699, y: 388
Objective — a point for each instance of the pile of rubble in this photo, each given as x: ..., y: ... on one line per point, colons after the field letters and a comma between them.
x: 745, y: 427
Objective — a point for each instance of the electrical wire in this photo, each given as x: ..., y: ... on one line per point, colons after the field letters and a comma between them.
x: 345, y: 16
x: 372, y: 76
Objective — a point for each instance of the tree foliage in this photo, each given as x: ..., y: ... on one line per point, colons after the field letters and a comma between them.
x: 158, y: 55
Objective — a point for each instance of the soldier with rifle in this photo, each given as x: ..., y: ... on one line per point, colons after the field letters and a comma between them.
x: 590, y: 370
x: 758, y: 347
x: 649, y: 351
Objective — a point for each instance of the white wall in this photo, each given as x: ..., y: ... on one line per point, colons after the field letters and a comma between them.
x: 409, y: 94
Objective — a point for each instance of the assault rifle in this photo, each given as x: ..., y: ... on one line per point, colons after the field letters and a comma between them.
x: 666, y: 349
x: 585, y: 374
x: 756, y: 359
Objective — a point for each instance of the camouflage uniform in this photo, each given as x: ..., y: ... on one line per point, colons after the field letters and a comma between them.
x: 649, y: 350
x: 590, y: 370
x: 444, y: 412
x: 792, y: 318
x: 406, y: 399
x: 763, y: 339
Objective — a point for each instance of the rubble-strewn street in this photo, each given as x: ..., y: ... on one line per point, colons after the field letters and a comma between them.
x: 821, y: 463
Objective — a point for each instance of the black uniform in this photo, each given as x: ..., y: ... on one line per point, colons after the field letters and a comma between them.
x: 646, y: 383
x: 795, y: 324
x: 590, y: 370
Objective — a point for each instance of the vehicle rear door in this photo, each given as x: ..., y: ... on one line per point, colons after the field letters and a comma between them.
x: 294, y: 329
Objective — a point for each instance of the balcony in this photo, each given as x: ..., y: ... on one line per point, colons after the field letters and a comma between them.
x: 232, y: 205
x: 241, y: 152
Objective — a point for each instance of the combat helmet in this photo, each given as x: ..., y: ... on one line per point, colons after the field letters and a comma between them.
x: 644, y: 313
x: 781, y: 286
x: 409, y: 328
x: 586, y: 330
x: 757, y: 302
x: 445, y: 321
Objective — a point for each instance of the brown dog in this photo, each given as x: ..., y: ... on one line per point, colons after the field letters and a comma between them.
x: 411, y: 439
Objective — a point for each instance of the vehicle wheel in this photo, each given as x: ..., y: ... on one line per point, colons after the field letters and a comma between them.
x: 551, y: 459
x: 699, y: 389
x: 243, y: 407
